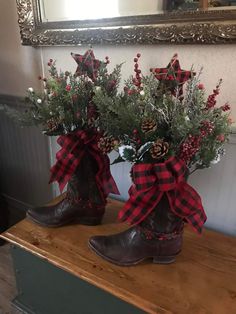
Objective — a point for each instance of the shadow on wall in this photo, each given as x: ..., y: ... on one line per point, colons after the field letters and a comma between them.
x: 16, y: 80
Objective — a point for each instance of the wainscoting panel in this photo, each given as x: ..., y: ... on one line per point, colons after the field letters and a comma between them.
x: 24, y: 161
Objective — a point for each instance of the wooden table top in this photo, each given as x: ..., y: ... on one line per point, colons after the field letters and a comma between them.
x: 201, y: 281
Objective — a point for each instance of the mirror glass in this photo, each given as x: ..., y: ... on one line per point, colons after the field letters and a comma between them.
x: 221, y: 5
x: 94, y: 9
x: 62, y: 10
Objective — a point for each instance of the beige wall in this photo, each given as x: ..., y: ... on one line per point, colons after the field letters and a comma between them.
x: 19, y: 66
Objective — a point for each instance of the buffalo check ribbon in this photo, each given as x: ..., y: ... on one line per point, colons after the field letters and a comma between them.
x: 151, y: 181
x: 74, y: 146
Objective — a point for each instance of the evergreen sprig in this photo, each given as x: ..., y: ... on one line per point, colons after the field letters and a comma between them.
x: 194, y: 129
x: 66, y: 102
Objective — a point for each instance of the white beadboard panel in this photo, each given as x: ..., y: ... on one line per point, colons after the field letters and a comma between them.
x: 24, y: 163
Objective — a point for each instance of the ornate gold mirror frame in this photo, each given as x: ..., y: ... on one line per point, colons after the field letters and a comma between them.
x: 192, y: 27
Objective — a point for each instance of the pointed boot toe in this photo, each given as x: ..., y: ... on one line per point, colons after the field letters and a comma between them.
x: 30, y: 213
x: 41, y: 216
x: 123, y: 249
x: 33, y: 214
x: 97, y: 244
x: 106, y: 247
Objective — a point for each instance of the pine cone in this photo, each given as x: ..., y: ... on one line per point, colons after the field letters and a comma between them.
x: 148, y: 125
x: 53, y: 124
x: 159, y: 149
x: 92, y: 112
x: 106, y: 144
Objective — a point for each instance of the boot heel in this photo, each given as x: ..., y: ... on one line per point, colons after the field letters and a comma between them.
x: 163, y: 259
x: 90, y: 221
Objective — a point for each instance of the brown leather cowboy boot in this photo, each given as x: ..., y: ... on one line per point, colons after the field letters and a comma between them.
x: 158, y: 237
x: 83, y: 202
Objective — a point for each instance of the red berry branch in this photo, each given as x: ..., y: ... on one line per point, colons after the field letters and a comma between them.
x: 211, y: 101
x: 193, y: 142
x: 137, y: 80
x: 225, y: 107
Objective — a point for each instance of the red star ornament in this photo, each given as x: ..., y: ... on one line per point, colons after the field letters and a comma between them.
x: 173, y: 73
x: 87, y: 64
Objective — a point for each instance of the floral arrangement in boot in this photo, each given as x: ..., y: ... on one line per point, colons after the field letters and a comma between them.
x: 166, y: 133
x: 67, y: 102
x: 66, y: 108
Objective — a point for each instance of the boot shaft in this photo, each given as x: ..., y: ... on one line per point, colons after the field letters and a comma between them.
x: 82, y: 185
x: 162, y: 219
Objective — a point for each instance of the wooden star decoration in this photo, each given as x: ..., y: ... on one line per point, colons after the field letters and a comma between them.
x: 87, y: 64
x: 173, y: 76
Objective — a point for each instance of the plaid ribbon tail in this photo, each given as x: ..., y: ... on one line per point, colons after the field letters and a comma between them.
x: 62, y: 179
x: 139, y: 205
x: 109, y: 185
x: 104, y: 179
x: 66, y: 163
x: 188, y: 205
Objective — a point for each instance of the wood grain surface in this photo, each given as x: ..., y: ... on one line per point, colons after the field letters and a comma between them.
x: 201, y: 281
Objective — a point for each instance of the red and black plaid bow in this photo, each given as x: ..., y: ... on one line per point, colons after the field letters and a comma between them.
x: 151, y: 181
x: 173, y: 73
x: 74, y: 146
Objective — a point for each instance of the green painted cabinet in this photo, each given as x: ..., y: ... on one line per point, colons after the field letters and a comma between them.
x: 45, y: 289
